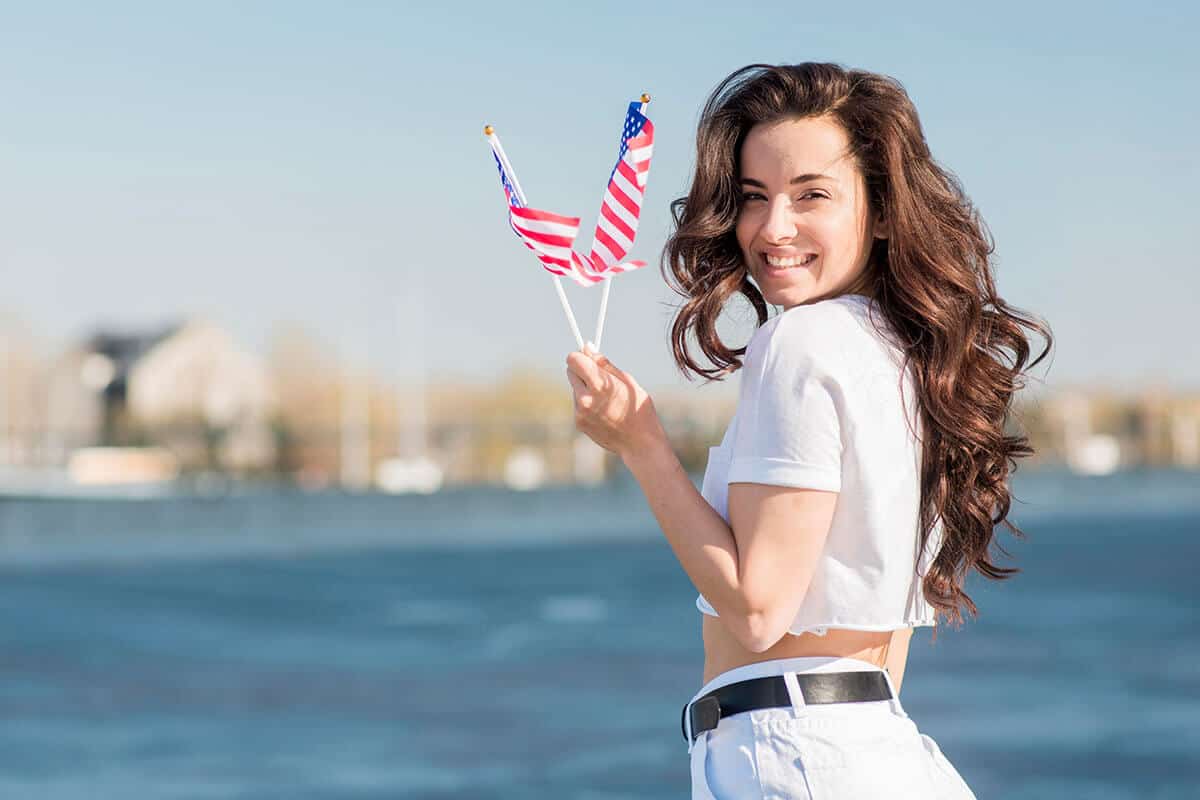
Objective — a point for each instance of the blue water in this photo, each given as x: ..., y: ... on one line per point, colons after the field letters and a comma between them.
x: 484, y: 644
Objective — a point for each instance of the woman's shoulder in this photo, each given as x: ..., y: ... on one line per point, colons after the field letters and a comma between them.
x: 817, y: 334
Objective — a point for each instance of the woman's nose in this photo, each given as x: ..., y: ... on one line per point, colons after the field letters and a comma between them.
x: 780, y: 226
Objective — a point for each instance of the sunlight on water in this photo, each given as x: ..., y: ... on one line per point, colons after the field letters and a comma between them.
x: 482, y: 645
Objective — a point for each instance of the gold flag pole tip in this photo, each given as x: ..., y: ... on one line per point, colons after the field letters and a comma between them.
x: 487, y: 129
x: 645, y: 97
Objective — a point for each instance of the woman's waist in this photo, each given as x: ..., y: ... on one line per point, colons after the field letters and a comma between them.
x: 723, y: 652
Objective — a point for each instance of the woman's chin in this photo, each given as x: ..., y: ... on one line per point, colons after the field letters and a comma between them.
x: 785, y: 293
x: 789, y: 297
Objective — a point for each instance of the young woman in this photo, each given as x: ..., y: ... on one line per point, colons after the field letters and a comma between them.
x: 867, y: 462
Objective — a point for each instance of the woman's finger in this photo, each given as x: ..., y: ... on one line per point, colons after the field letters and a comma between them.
x: 607, y: 366
x: 586, y: 370
x: 585, y: 399
x: 577, y: 384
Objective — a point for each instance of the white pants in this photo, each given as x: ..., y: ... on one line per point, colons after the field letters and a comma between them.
x: 857, y: 751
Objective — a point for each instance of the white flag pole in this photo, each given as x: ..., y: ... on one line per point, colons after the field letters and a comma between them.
x: 490, y: 132
x: 608, y: 281
x: 603, y: 309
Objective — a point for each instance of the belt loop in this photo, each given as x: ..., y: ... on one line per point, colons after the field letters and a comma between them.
x: 897, y: 709
x: 687, y: 725
x: 799, y: 706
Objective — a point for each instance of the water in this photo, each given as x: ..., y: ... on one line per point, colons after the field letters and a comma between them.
x: 483, y: 644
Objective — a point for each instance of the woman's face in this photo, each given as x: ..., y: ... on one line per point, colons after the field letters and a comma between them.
x: 804, y: 225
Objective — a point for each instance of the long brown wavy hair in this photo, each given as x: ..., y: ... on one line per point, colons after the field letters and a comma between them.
x: 931, y: 279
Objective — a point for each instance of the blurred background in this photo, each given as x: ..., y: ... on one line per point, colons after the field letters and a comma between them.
x: 291, y: 500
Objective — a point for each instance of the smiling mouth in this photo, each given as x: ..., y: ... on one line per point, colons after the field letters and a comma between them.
x: 780, y: 264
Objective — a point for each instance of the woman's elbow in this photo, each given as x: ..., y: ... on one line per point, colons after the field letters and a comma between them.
x: 760, y: 631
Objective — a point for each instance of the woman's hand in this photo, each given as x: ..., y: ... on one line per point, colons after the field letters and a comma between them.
x: 610, y: 407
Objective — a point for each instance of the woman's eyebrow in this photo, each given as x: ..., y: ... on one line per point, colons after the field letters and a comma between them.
x: 805, y: 178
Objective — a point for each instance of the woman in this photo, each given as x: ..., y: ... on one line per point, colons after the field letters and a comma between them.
x: 866, y: 464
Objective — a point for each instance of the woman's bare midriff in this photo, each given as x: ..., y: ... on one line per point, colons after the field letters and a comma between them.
x: 884, y: 649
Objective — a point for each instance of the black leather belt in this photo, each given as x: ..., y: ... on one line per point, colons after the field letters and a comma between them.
x: 771, y: 692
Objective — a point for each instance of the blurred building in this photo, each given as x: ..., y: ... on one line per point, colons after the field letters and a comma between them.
x: 22, y: 403
x: 1097, y: 431
x: 191, y: 391
x: 188, y: 387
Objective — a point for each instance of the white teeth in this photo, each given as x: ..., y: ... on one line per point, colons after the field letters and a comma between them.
x: 791, y: 262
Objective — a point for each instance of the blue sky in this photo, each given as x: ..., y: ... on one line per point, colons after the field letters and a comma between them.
x: 325, y: 164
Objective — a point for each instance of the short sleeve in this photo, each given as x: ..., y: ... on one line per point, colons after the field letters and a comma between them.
x: 791, y: 410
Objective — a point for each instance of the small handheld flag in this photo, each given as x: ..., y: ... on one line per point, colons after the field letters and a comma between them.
x: 549, y: 235
x: 622, y: 205
x: 541, y: 242
x: 552, y: 236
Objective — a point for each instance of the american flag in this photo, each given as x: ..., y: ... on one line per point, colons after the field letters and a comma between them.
x: 622, y: 206
x: 550, y: 236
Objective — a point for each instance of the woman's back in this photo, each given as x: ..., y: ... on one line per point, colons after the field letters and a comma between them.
x: 823, y: 405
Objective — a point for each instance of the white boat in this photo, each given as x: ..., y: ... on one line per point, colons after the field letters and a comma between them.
x: 413, y: 470
x: 1095, y: 454
x: 408, y: 475
x: 525, y: 469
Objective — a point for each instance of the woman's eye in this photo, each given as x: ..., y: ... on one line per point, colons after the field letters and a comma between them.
x: 748, y: 196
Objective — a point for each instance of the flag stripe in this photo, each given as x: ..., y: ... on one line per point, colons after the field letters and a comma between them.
x: 547, y: 217
x: 629, y: 187
x: 603, y: 255
x: 547, y: 239
x: 587, y: 269
x: 617, y: 244
x: 617, y: 193
x: 620, y: 211
x: 607, y: 215
x: 626, y: 171
x: 603, y: 239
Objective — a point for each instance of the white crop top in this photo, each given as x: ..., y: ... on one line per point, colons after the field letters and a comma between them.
x: 820, y: 407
